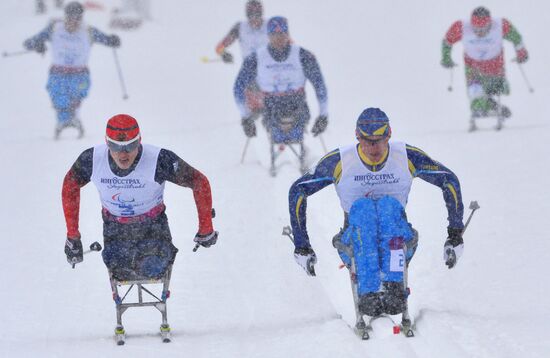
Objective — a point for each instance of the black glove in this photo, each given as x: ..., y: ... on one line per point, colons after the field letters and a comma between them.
x: 454, y: 246
x: 73, y: 250
x: 206, y: 240
x: 38, y: 46
x: 319, y: 126
x: 306, y: 258
x: 227, y: 57
x: 447, y: 62
x: 113, y: 41
x: 249, y: 126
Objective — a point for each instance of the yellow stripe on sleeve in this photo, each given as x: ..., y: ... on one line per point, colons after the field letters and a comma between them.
x: 337, y: 172
x: 330, y: 154
x: 298, y: 204
x: 412, y: 168
x: 453, y: 191
x: 417, y: 150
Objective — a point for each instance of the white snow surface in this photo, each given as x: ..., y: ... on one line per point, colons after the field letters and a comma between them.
x: 245, y: 296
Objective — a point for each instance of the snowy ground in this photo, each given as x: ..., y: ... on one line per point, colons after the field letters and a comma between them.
x: 245, y: 297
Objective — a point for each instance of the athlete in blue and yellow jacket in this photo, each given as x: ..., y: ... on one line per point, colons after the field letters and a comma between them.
x: 374, y: 175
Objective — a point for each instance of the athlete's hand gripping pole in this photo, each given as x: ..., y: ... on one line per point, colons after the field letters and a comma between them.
x: 304, y: 257
x: 452, y: 252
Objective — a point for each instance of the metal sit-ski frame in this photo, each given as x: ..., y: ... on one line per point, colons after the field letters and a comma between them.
x: 285, y: 138
x: 361, y: 327
x: 158, y: 303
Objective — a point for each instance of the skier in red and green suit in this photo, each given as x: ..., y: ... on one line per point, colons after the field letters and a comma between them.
x: 484, y: 58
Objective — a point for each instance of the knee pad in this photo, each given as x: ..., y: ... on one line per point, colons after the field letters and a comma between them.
x: 394, y: 298
x: 371, y: 304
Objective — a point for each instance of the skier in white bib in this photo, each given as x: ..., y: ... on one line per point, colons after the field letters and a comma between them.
x: 252, y: 34
x: 69, y: 77
x: 281, y: 69
x: 130, y: 178
x: 482, y: 37
x: 372, y: 180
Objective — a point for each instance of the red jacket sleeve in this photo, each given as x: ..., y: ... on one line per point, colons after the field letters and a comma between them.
x: 454, y: 34
x: 70, y: 195
x: 203, y: 199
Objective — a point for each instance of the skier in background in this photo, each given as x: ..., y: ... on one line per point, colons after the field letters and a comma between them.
x: 69, y: 77
x: 281, y: 69
x: 130, y: 178
x: 252, y: 34
x: 482, y: 38
x: 373, y: 179
x: 41, y: 6
x: 130, y: 14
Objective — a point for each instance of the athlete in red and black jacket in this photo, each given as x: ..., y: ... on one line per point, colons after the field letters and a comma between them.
x: 130, y: 178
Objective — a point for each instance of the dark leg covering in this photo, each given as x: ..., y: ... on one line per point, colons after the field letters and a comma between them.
x: 138, y: 250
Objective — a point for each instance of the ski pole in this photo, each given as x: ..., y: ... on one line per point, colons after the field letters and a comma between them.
x: 473, y: 206
x: 206, y: 59
x: 322, y: 142
x: 95, y: 246
x: 120, y: 77
x: 287, y: 231
x: 451, y: 261
x: 245, y: 149
x: 450, y: 88
x: 15, y: 53
x: 531, y: 89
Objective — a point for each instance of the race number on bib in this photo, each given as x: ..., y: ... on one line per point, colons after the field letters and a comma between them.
x: 397, y: 260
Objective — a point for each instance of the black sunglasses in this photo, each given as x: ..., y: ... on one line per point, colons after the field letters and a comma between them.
x: 127, y: 148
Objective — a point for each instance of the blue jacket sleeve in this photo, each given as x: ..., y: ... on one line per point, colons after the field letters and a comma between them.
x: 312, y: 71
x: 41, y: 37
x: 425, y: 168
x: 98, y: 36
x: 327, y: 171
x: 247, y: 74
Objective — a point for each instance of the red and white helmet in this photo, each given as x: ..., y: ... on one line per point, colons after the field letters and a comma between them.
x: 122, y: 133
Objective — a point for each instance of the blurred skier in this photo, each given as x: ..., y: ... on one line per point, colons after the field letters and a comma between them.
x: 281, y: 69
x: 482, y: 37
x: 130, y: 178
x: 373, y: 179
x: 252, y: 34
x: 130, y: 14
x: 41, y: 6
x: 69, y: 77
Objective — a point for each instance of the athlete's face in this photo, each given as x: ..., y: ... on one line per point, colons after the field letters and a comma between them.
x: 124, y: 160
x: 482, y: 31
x: 72, y: 23
x: 279, y: 40
x: 374, y: 147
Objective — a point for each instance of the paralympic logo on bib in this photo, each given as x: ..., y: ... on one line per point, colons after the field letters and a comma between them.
x: 124, y: 203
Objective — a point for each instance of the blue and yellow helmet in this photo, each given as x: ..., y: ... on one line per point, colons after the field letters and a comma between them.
x: 373, y: 122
